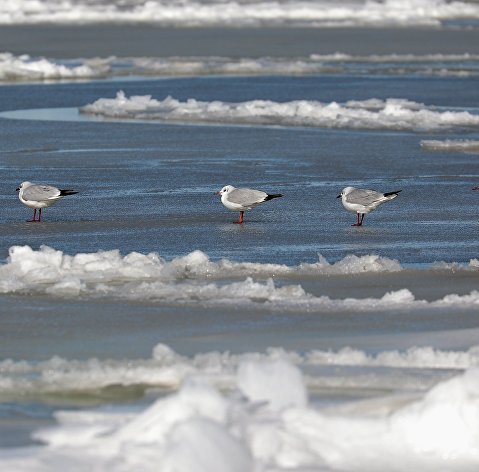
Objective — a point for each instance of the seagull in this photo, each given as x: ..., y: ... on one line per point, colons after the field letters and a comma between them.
x: 363, y: 201
x: 241, y: 199
x: 38, y: 196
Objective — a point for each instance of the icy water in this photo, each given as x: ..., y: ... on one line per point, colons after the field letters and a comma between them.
x: 142, y: 330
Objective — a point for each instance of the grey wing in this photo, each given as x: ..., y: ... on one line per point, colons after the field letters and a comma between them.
x: 363, y: 196
x: 246, y: 196
x: 40, y: 193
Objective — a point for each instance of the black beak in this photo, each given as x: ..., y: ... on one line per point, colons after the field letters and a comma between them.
x: 17, y: 189
x: 339, y: 196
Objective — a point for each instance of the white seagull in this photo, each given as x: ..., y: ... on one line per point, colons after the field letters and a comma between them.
x: 38, y: 196
x: 241, y: 199
x: 363, y: 201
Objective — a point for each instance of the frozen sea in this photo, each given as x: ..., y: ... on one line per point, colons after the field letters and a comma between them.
x: 142, y: 330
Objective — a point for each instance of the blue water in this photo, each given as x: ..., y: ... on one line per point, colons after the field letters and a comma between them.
x: 149, y: 187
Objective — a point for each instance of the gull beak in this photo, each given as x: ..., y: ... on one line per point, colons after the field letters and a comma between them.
x: 339, y: 196
x: 17, y: 189
x: 217, y: 193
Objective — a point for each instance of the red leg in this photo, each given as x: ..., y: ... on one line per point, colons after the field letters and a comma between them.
x: 34, y: 216
x: 240, y: 221
x: 360, y: 221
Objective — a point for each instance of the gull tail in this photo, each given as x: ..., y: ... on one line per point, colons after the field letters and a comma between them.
x: 392, y: 195
x: 67, y: 192
x: 270, y: 197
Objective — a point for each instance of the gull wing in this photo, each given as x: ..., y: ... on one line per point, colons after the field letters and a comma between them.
x: 246, y: 196
x: 363, y: 196
x: 41, y: 193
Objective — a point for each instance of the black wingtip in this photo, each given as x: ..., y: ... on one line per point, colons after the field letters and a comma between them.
x: 270, y: 197
x: 388, y: 194
x: 67, y: 192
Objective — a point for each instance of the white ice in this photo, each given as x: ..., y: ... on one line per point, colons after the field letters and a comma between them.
x: 239, y: 13
x: 27, y: 68
x: 391, y: 114
x: 168, y: 369
x: 451, y: 145
x: 265, y: 421
x: 194, y: 279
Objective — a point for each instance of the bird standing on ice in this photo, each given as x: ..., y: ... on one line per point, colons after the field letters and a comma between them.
x: 363, y: 201
x: 38, y: 196
x: 241, y: 199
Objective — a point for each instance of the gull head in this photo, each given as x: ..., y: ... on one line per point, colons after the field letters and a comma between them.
x: 23, y: 186
x: 225, y: 190
x: 345, y: 191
